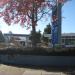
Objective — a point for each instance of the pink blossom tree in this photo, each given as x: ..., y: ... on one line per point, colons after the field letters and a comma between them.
x: 26, y: 11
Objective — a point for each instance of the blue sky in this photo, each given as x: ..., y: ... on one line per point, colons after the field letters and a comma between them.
x: 68, y: 22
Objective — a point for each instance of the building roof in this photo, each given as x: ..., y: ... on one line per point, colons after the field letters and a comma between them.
x: 68, y: 34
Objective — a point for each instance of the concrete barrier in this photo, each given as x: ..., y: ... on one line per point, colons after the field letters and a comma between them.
x: 39, y: 60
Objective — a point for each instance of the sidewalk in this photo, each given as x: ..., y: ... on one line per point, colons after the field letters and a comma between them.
x: 9, y: 70
x: 36, y: 72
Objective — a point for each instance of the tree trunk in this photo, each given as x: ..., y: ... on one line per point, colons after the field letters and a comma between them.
x: 33, y: 30
x: 33, y: 34
x: 34, y: 18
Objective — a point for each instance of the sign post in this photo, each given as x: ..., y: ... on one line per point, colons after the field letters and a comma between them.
x: 56, y: 24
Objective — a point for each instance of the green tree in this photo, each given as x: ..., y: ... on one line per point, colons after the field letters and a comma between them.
x: 37, y: 36
x: 1, y: 37
x: 47, y: 30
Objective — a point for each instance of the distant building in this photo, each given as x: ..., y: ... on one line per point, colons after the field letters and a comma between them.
x: 18, y: 39
x: 67, y: 38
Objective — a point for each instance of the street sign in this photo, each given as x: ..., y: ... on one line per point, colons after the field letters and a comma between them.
x: 48, y: 35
